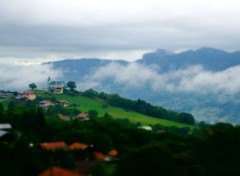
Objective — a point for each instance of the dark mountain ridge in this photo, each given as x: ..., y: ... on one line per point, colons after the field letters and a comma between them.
x: 210, y: 58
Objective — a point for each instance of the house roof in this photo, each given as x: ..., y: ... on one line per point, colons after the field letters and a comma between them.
x: 113, y: 152
x: 57, y: 171
x: 57, y: 83
x: 64, y: 117
x: 83, y: 115
x: 28, y: 92
x: 77, y: 146
x: 63, y: 101
x: 5, y: 126
x: 46, y: 102
x: 99, y: 156
x: 53, y: 145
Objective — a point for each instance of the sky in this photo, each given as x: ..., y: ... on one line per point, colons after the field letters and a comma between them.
x: 35, y: 31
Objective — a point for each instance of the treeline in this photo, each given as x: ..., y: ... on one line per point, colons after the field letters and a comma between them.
x: 141, y: 106
x: 207, y: 151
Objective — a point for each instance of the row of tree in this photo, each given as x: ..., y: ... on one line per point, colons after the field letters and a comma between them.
x: 70, y: 84
x: 141, y: 106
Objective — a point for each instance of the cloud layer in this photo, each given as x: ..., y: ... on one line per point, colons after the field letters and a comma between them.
x: 191, y: 79
x: 71, y: 28
x: 17, y: 77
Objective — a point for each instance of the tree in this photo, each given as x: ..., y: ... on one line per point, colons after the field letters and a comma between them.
x: 90, y: 93
x: 1, y: 112
x: 186, y: 118
x: 72, y: 85
x: 93, y: 113
x: 161, y: 159
x: 33, y: 86
x: 15, y: 93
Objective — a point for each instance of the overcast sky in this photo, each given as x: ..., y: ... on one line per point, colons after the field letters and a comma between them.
x: 54, y: 29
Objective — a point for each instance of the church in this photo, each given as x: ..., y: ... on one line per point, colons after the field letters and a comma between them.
x: 55, y: 86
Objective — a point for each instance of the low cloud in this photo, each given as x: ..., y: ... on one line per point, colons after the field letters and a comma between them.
x: 18, y: 77
x: 191, y: 79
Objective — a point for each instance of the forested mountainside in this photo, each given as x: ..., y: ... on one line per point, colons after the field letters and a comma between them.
x: 187, y: 81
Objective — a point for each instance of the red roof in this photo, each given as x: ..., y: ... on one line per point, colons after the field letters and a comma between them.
x: 99, y: 156
x: 77, y: 146
x: 57, y: 171
x: 113, y: 152
x: 83, y: 115
x: 53, y: 145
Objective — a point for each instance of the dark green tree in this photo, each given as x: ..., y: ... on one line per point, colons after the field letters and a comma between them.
x: 186, y: 118
x: 93, y: 113
x: 103, y: 95
x: 90, y: 93
x: 71, y: 85
x: 40, y: 121
x: 33, y: 86
x: 15, y: 93
x: 1, y: 112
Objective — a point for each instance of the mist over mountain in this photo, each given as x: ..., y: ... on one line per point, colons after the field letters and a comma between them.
x: 210, y: 58
x: 203, y: 82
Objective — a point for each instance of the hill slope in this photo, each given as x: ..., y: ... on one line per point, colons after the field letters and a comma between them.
x: 85, y: 104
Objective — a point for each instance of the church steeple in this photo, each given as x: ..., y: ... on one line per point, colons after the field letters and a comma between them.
x: 48, y: 81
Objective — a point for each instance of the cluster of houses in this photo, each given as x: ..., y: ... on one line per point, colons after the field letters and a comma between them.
x: 81, y: 117
x: 26, y: 95
x: 64, y: 103
x: 53, y: 86
x: 82, y: 167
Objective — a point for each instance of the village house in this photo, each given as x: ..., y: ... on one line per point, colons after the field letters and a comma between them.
x: 29, y: 95
x: 63, y: 103
x: 55, y: 87
x: 5, y: 133
x: 57, y: 171
x: 54, y: 146
x: 45, y: 103
x: 147, y: 128
x: 78, y: 146
x: 111, y: 156
x: 64, y: 117
x: 5, y: 126
x: 83, y: 116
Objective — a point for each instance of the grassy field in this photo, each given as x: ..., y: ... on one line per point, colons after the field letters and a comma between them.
x: 4, y: 102
x: 85, y: 104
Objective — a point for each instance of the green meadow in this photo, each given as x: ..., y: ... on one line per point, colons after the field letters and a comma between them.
x: 85, y: 104
x: 4, y: 102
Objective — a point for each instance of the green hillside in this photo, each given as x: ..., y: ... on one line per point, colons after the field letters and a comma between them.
x: 85, y: 104
x: 4, y: 101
